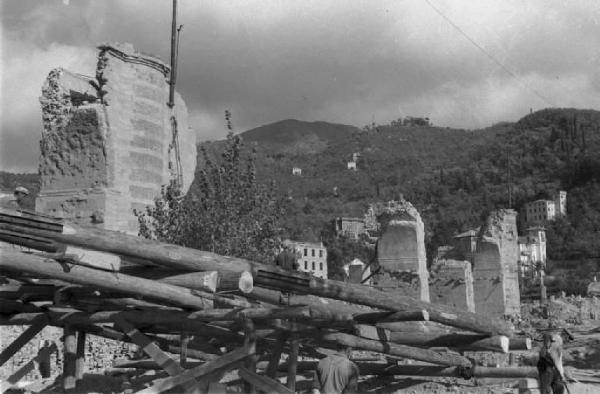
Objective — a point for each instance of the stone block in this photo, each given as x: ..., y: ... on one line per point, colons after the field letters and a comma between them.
x: 452, y: 284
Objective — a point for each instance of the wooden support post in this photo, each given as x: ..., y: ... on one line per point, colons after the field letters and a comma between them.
x: 263, y: 383
x: 185, y: 340
x: 276, y: 356
x: 24, y: 370
x: 226, y: 361
x: 44, y: 353
x: 80, y: 356
x: 69, y: 357
x: 152, y: 350
x: 293, y: 363
x: 37, y: 325
x: 250, y: 363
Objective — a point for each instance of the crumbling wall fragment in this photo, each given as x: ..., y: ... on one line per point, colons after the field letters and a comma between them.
x: 401, y: 252
x: 452, y: 284
x: 495, y: 269
x: 110, y: 142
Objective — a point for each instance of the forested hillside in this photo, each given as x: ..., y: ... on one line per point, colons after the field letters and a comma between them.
x: 453, y: 177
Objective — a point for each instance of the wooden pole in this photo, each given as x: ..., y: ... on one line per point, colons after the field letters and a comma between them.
x: 80, y: 355
x: 250, y: 363
x: 430, y: 370
x: 266, y: 276
x: 69, y: 357
x: 276, y: 356
x: 293, y: 363
x: 20, y: 262
x: 226, y: 361
x: 394, y: 349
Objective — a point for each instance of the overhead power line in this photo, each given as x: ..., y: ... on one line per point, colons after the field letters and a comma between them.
x: 489, y: 55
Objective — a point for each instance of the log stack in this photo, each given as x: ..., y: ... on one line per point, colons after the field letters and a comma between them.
x: 197, y: 315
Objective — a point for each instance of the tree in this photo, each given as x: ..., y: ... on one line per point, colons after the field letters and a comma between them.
x: 226, y: 210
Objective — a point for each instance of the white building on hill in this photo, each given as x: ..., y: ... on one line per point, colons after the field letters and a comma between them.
x: 541, y: 211
x: 313, y: 258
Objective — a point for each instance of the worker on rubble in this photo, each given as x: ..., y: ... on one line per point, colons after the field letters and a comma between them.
x: 550, y: 367
x: 17, y: 201
x: 336, y: 374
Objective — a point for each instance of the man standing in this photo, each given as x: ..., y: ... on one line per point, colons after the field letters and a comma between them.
x: 336, y: 374
x: 550, y: 368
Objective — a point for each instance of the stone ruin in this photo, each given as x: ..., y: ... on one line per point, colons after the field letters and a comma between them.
x: 480, y: 272
x: 110, y: 142
x: 401, y: 251
x: 495, y: 267
x: 451, y: 284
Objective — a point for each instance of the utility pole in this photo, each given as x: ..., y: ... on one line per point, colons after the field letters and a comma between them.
x: 174, y: 32
x: 508, y: 179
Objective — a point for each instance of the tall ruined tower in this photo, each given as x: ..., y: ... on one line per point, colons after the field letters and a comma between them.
x: 109, y: 143
x: 495, y: 266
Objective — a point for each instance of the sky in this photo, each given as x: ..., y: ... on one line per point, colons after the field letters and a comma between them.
x: 465, y: 64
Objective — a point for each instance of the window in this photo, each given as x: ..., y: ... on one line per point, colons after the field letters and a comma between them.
x: 313, y: 253
x: 305, y: 252
x: 321, y: 266
x: 306, y: 265
x: 313, y: 265
x: 320, y: 253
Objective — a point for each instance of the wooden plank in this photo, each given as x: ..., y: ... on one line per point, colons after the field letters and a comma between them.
x: 69, y: 357
x: 23, y: 371
x: 226, y: 361
x: 37, y: 325
x: 250, y: 363
x: 263, y: 383
x: 381, y: 317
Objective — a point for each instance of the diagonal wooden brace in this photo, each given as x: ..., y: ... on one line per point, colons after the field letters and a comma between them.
x: 37, y: 325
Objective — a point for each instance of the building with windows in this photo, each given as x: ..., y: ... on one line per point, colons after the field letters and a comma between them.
x: 532, y: 249
x: 297, y: 171
x: 350, y: 227
x: 313, y: 257
x: 538, y: 212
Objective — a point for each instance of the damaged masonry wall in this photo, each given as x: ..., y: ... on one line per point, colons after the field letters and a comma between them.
x: 401, y: 252
x: 107, y: 142
x: 451, y: 283
x: 495, y: 267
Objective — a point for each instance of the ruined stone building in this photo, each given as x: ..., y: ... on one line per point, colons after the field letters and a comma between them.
x: 109, y: 142
x: 350, y: 227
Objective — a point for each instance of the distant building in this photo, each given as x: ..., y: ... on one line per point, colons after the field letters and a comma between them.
x: 465, y: 244
x: 532, y: 249
x: 352, y: 165
x: 297, y: 171
x: 313, y: 258
x: 357, y: 272
x: 539, y: 212
x: 350, y: 227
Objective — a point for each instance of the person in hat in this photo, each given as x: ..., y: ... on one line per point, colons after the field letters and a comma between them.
x: 20, y: 194
x: 17, y: 200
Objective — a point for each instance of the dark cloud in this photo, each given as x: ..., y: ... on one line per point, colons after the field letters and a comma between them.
x: 339, y: 61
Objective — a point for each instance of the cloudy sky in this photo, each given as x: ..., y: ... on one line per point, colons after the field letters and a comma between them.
x: 462, y: 63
